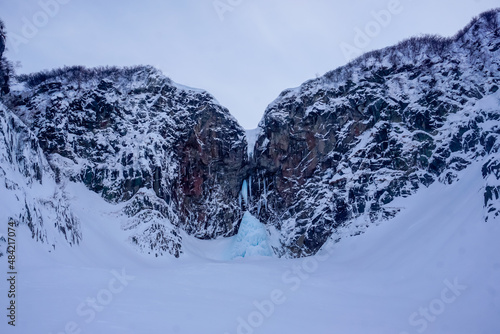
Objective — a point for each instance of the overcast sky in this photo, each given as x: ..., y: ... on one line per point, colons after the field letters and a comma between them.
x: 244, y: 52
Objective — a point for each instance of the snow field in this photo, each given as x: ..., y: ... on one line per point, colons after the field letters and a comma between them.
x: 434, y: 268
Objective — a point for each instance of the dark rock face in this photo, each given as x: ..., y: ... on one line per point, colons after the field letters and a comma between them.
x: 2, y: 39
x: 339, y: 149
x: 132, y: 135
x: 213, y: 165
x: 4, y: 65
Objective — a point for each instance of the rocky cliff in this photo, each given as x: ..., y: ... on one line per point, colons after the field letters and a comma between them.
x: 171, y: 153
x: 334, y: 153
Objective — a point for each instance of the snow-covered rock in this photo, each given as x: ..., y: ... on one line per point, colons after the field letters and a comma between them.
x: 134, y: 135
x: 5, y: 67
x: 342, y: 147
x: 29, y: 194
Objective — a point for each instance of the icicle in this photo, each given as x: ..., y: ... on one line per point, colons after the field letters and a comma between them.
x: 265, y: 193
x: 244, y: 191
x: 265, y: 187
x: 250, y: 187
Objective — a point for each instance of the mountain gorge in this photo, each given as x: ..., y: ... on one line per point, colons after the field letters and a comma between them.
x: 329, y: 159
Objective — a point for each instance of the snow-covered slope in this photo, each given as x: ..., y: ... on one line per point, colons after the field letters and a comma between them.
x: 334, y: 151
x: 433, y: 269
x: 29, y: 194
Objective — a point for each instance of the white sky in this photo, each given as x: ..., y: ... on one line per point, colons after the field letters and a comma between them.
x: 245, y: 54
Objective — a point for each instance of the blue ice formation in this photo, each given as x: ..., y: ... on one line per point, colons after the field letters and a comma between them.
x: 252, y: 239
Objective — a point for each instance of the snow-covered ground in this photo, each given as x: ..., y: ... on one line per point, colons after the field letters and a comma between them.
x: 435, y: 268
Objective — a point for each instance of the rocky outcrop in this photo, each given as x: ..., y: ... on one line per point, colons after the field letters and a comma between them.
x: 5, y: 67
x: 2, y: 38
x: 334, y: 153
x: 132, y: 135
